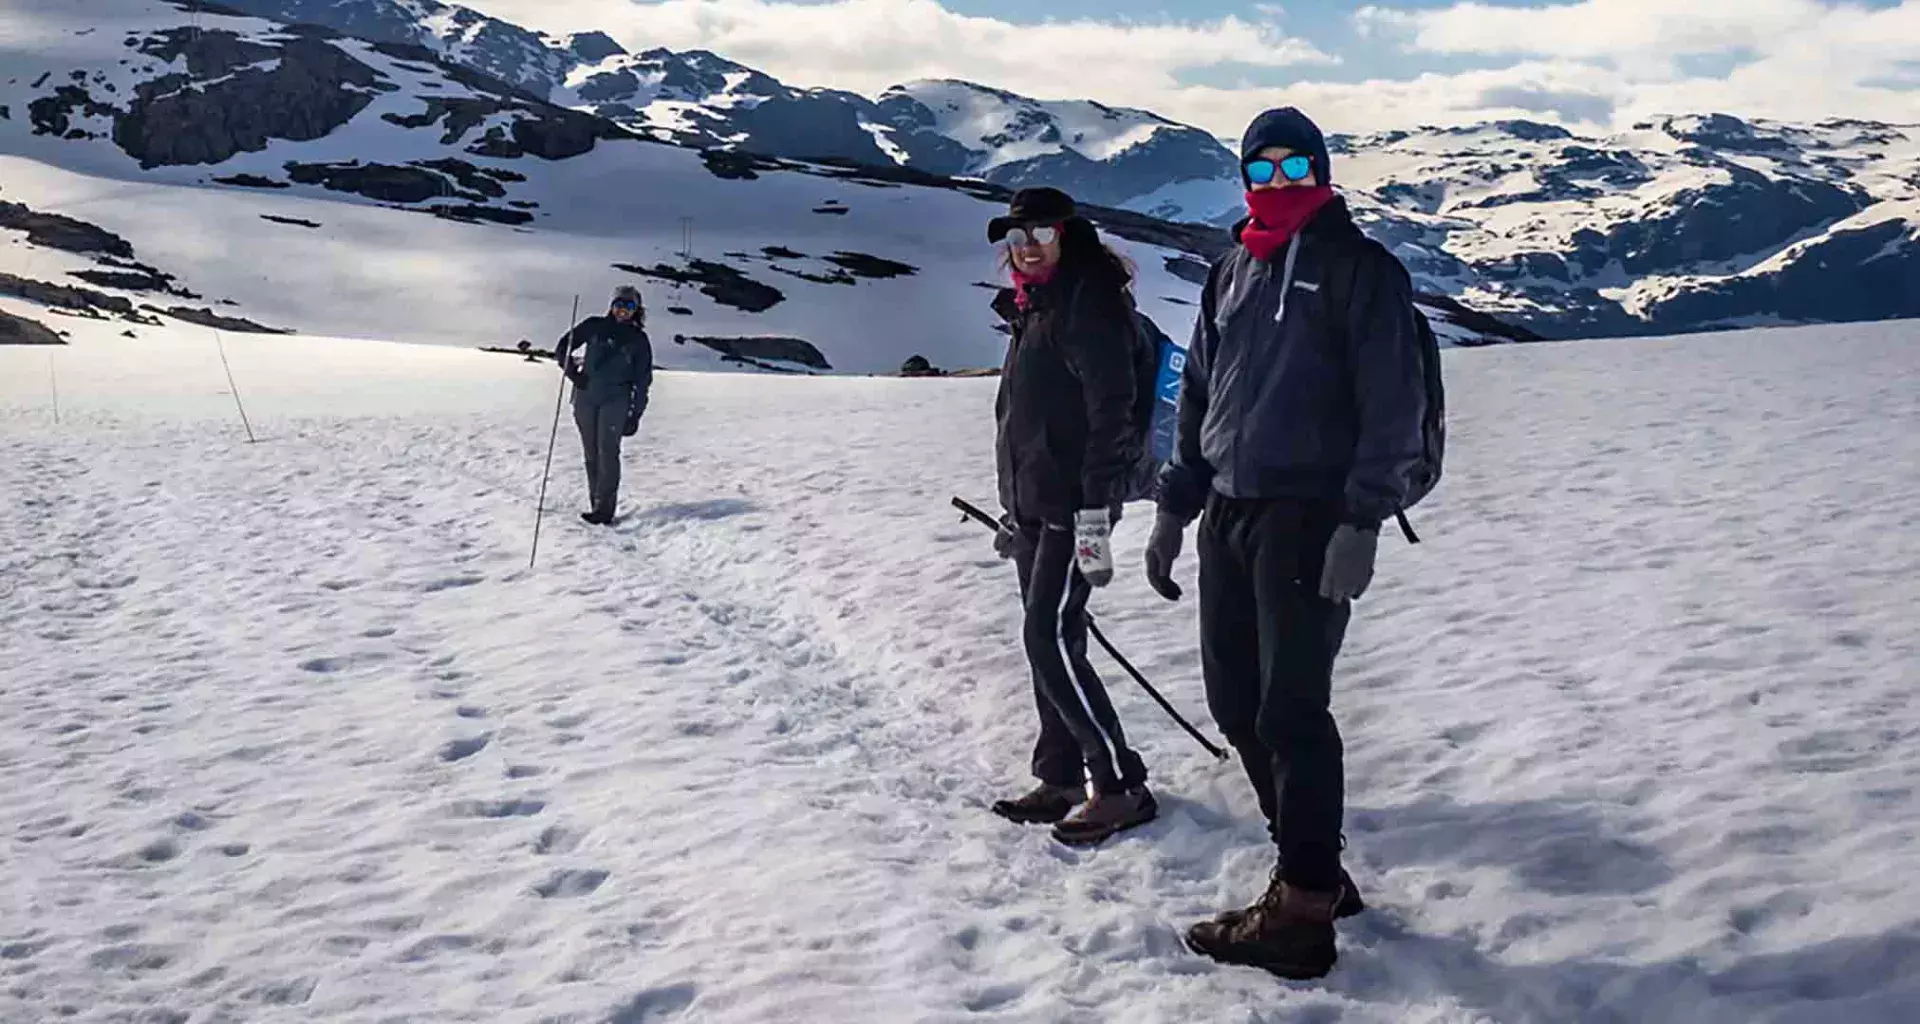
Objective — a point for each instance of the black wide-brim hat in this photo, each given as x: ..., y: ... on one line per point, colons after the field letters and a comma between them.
x: 1040, y: 205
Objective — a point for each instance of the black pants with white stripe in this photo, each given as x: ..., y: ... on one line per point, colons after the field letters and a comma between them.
x: 1080, y: 735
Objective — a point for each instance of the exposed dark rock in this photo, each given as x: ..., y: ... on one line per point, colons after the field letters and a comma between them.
x: 562, y: 134
x: 132, y: 281
x: 18, y: 330
x: 781, y: 252
x: 759, y: 350
x: 836, y: 276
x: 1477, y: 321
x: 467, y: 175
x: 1188, y: 269
x: 595, y: 46
x: 251, y: 181
x: 679, y: 311
x: 735, y: 166
x: 919, y: 366
x: 208, y: 318
x: 474, y: 213
x: 1879, y: 265
x: 863, y: 265
x: 315, y: 88
x: 63, y: 296
x: 833, y: 210
x: 386, y: 183
x: 524, y: 349
x: 293, y: 221
x: 719, y: 282
x: 53, y: 115
x: 55, y: 231
x: 210, y: 53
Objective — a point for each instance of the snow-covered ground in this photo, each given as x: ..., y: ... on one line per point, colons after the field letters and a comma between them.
x: 291, y: 733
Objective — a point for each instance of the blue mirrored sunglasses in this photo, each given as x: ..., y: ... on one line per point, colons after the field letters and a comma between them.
x: 625, y: 304
x: 1293, y: 168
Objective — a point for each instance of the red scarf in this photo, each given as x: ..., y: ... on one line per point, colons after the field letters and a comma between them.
x: 1278, y: 215
x: 1023, y: 281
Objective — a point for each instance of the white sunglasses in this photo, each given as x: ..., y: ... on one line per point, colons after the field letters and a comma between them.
x: 1032, y: 236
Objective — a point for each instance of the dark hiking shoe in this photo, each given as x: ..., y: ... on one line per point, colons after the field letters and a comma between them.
x: 1044, y: 805
x: 1289, y: 932
x: 1107, y: 814
x: 596, y: 518
x: 1350, y: 904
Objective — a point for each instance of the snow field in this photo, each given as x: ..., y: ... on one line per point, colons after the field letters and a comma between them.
x: 296, y: 735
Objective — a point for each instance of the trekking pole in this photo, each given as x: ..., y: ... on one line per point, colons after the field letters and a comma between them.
x: 973, y: 512
x: 235, y: 388
x: 53, y: 381
x: 540, y: 513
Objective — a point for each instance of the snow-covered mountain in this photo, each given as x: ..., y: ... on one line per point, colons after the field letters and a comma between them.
x: 161, y: 159
x: 1112, y: 156
x: 1682, y: 223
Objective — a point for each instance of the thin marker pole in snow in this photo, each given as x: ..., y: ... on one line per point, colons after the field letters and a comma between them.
x: 53, y: 381
x: 540, y: 512
x: 235, y: 388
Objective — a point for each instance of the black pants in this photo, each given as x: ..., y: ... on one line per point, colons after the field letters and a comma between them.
x: 1080, y: 734
x: 601, y: 425
x: 1268, y: 643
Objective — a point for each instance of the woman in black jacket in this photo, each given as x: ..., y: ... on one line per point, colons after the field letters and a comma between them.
x: 1065, y: 448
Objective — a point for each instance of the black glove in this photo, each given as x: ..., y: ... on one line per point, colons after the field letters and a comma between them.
x: 1163, y: 549
x: 1349, y: 569
x: 632, y: 426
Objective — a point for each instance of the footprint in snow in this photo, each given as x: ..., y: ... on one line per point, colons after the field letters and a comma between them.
x: 461, y: 749
x: 570, y: 884
x: 557, y: 840
x: 498, y: 808
x: 654, y: 1005
x: 452, y: 583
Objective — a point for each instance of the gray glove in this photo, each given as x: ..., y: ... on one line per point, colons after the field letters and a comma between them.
x: 1163, y: 549
x: 1349, y: 568
x: 1007, y: 540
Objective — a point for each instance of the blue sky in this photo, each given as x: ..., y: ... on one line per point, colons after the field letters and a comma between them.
x: 1593, y: 65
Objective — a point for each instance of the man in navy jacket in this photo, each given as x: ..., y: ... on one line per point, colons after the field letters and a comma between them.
x: 1300, y: 424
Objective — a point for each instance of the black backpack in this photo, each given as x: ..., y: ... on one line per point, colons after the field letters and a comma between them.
x: 1157, y: 367
x: 1425, y: 475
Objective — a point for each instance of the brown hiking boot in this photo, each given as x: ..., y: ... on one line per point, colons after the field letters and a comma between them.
x: 1107, y: 814
x: 1288, y: 932
x: 1043, y: 805
x: 1350, y: 903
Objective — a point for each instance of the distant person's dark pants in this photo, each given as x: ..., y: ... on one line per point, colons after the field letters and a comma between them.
x: 600, y: 426
x: 1080, y: 734
x: 1268, y: 641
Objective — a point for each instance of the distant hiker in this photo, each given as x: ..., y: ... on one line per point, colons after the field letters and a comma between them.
x: 1301, y: 428
x: 1067, y: 441
x: 610, y: 362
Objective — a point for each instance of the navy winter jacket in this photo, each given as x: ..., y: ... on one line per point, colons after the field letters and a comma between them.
x: 608, y: 361
x: 1284, y: 397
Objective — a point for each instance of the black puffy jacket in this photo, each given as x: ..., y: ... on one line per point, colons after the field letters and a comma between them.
x: 1300, y: 400
x: 608, y: 361
x: 1066, y: 439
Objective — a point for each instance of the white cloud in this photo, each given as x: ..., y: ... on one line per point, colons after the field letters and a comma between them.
x: 867, y: 45
x: 1595, y: 64
x: 1796, y: 59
